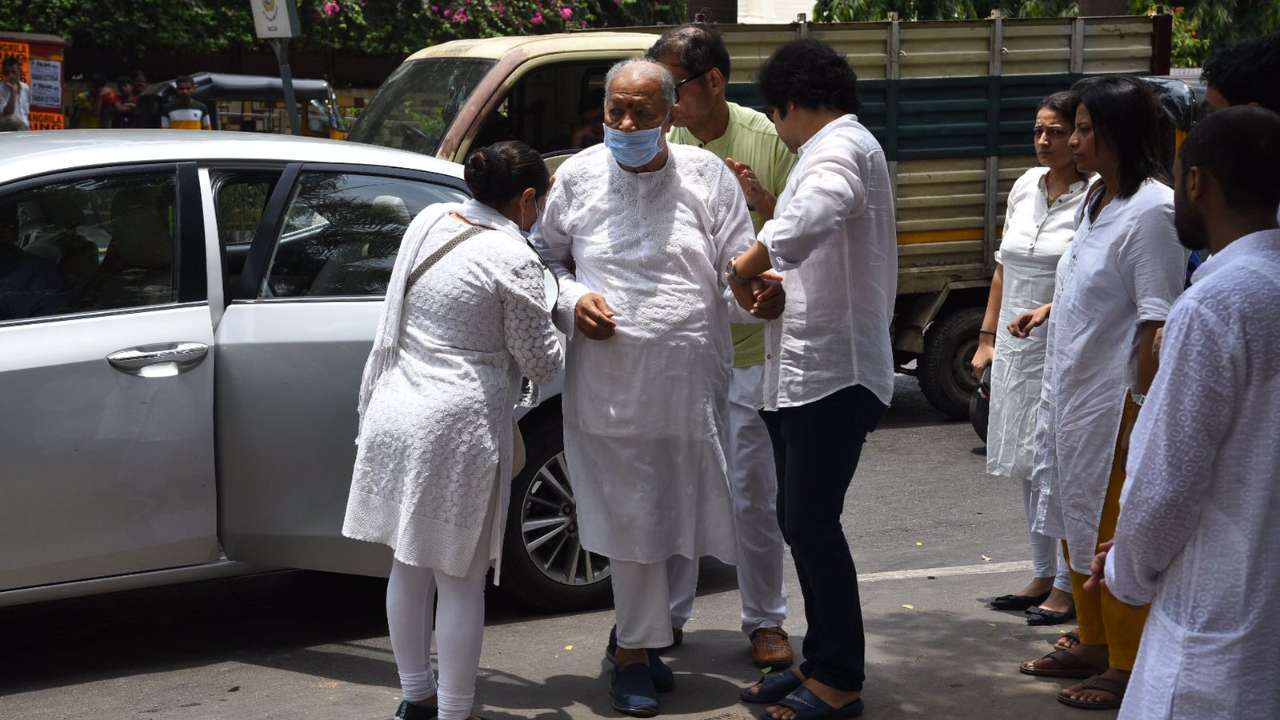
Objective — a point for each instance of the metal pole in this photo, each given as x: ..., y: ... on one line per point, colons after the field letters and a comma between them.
x: 281, y: 47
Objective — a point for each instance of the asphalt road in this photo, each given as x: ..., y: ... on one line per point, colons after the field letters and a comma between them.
x: 312, y: 646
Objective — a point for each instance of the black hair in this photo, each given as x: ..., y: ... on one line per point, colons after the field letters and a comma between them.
x: 183, y: 79
x: 700, y: 47
x: 1063, y: 103
x: 810, y: 74
x: 498, y: 173
x: 1248, y: 72
x: 1240, y: 148
x: 1127, y: 118
x: 9, y: 62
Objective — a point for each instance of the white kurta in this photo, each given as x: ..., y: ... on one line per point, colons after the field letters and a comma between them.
x: 435, y: 446
x: 1200, y: 516
x: 1036, y: 234
x: 644, y: 411
x: 1119, y: 272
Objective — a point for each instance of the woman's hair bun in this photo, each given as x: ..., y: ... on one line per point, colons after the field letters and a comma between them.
x: 497, y: 173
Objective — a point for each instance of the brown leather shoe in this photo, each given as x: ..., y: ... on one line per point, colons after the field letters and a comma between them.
x: 771, y: 648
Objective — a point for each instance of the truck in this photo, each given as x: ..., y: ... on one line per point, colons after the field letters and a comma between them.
x: 951, y: 102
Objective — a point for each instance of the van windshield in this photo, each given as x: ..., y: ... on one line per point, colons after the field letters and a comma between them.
x: 415, y: 106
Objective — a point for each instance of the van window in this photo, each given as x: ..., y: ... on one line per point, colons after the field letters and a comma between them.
x: 556, y: 107
x: 415, y: 106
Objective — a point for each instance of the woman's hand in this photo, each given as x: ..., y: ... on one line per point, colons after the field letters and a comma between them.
x: 983, y: 355
x: 1022, y: 325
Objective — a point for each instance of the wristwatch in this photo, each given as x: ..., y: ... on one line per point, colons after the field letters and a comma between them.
x: 731, y: 271
x: 1138, y: 398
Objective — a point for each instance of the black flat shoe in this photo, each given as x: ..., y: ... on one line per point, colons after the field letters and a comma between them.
x: 1040, y: 616
x: 1017, y: 602
x: 663, y: 679
x: 411, y: 711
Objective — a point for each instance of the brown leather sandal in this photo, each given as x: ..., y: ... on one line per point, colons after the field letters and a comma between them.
x: 1067, y: 665
x: 1096, y: 682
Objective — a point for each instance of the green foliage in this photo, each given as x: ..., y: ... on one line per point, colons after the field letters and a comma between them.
x: 373, y: 27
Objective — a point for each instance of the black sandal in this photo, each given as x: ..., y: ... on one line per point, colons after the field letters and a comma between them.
x: 1040, y: 616
x: 772, y: 688
x: 1017, y: 602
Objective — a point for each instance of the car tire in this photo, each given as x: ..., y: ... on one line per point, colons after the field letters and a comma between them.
x: 541, y: 538
x: 944, y: 374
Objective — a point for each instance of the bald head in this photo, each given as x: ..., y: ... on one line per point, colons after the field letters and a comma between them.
x: 641, y: 77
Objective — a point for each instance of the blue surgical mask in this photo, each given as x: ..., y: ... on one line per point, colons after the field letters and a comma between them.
x: 635, y: 148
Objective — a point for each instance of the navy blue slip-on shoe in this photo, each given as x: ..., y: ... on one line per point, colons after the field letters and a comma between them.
x: 808, y: 706
x: 663, y: 679
x: 632, y: 691
x: 772, y: 687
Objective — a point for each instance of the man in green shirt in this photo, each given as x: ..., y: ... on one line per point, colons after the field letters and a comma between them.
x: 746, y: 140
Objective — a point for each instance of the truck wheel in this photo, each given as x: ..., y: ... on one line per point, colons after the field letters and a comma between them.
x: 944, y: 374
x: 543, y: 561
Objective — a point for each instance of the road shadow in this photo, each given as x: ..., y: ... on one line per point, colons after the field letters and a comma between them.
x: 273, y: 619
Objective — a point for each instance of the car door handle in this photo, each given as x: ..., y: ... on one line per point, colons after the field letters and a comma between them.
x: 162, y: 360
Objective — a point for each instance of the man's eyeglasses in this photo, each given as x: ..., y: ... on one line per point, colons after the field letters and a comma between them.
x: 690, y: 79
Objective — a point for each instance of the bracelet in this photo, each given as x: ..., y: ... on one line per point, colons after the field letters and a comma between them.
x: 987, y: 332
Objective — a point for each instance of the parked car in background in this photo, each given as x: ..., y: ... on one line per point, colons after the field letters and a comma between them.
x: 952, y: 104
x: 180, y: 352
x: 255, y: 103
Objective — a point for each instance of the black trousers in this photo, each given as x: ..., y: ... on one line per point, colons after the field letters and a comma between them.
x: 816, y: 448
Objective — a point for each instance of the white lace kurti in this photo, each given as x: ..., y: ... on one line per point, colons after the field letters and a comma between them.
x: 645, y: 410
x: 436, y: 434
x: 1199, y: 530
x: 1035, y: 236
x: 1125, y: 269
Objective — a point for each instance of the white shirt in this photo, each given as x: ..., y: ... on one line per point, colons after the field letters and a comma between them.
x: 645, y: 426
x: 1122, y: 270
x: 21, y: 108
x: 1199, y: 529
x: 1036, y: 233
x: 834, y: 240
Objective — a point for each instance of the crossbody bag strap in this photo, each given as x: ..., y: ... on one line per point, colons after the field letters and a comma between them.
x: 440, y: 252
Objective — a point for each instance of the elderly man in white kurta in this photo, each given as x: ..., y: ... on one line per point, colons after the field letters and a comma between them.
x: 637, y: 232
x: 1199, y: 523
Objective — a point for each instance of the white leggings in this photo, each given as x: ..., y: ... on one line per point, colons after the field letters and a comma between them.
x: 460, y: 619
x: 1046, y: 552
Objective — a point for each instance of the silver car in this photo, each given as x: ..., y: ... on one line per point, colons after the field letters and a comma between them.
x: 184, y: 318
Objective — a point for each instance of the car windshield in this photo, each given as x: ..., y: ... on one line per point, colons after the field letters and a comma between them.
x: 415, y: 106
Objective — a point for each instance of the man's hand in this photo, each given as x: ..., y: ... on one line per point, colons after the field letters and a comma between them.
x: 594, y: 317
x: 758, y: 198
x: 1030, y: 320
x: 770, y: 297
x: 1157, y: 344
x: 1098, y: 567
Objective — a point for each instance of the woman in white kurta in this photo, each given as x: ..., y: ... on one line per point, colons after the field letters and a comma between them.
x: 1116, y: 283
x: 435, y: 447
x: 1039, y: 223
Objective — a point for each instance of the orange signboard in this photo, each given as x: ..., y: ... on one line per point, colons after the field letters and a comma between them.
x: 41, y: 57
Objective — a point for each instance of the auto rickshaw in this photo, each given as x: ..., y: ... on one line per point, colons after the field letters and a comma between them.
x: 255, y: 103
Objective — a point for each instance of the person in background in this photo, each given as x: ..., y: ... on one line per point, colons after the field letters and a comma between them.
x: 148, y: 111
x: 185, y: 112
x: 1039, y: 223
x: 746, y: 140
x: 828, y: 375
x: 87, y: 108
x: 468, y: 313
x: 637, y: 229
x: 15, y: 97
x: 1115, y: 285
x: 126, y: 106
x: 1200, y: 521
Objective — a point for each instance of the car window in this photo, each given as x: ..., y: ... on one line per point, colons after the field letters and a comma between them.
x: 240, y: 199
x: 553, y: 108
x: 99, y: 243
x: 415, y: 106
x: 341, y: 233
